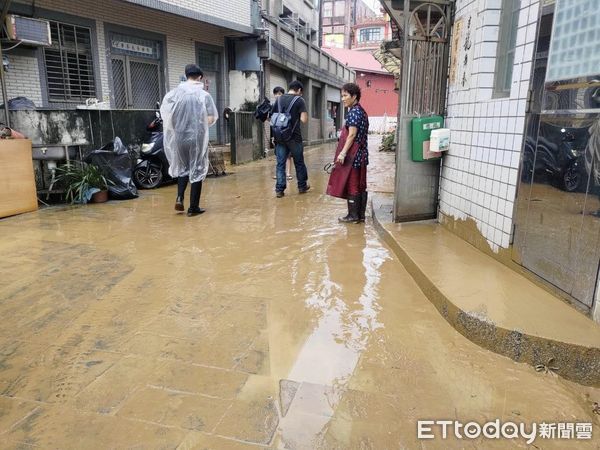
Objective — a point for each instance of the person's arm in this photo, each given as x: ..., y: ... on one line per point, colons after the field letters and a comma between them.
x: 352, y: 131
x: 211, y: 110
x: 303, y: 113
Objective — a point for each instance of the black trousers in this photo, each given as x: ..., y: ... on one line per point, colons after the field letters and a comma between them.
x: 196, y: 191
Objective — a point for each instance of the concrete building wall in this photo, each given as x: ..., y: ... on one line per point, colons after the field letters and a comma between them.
x: 479, y: 176
x: 22, y: 77
x: 181, y: 33
x: 377, y: 93
x: 308, y: 14
x: 181, y: 37
x: 237, y: 11
x: 243, y: 87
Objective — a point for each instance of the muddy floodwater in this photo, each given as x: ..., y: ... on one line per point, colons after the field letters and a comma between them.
x: 262, y: 323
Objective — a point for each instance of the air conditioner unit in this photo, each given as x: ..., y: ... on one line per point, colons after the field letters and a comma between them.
x: 28, y: 30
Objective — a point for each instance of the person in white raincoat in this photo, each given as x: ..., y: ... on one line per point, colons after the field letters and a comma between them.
x: 188, y: 111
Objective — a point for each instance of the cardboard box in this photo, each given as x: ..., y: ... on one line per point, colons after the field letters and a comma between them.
x: 17, y: 181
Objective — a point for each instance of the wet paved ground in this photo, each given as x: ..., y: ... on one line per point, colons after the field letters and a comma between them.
x: 260, y: 324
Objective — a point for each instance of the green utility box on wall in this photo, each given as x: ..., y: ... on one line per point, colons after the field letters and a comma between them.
x: 421, y: 132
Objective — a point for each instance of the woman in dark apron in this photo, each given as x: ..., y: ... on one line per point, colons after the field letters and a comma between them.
x: 348, y: 179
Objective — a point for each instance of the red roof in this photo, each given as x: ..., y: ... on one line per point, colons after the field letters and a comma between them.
x: 356, y: 59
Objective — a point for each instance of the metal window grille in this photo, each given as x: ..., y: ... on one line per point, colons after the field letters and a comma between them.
x: 145, y: 84
x: 119, y: 83
x: 69, y: 64
x: 427, y: 60
x: 207, y: 60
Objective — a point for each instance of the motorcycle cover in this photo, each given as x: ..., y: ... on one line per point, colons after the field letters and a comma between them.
x: 117, y: 164
x: 185, y: 112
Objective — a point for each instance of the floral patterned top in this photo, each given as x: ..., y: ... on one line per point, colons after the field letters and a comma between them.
x: 357, y: 117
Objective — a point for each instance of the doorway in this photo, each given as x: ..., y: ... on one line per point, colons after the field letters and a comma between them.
x: 136, y: 72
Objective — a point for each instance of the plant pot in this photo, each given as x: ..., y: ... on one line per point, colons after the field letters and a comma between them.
x: 99, y: 197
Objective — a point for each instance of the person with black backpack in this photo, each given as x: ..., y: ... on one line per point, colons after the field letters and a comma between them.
x: 288, y: 112
x: 278, y: 91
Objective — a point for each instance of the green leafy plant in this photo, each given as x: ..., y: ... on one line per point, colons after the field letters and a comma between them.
x: 78, y: 178
x: 387, y: 142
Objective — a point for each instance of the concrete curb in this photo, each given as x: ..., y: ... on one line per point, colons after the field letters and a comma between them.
x: 573, y: 362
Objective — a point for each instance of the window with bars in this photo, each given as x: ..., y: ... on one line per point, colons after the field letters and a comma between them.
x: 69, y: 64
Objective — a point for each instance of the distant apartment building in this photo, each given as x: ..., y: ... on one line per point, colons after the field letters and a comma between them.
x: 353, y: 24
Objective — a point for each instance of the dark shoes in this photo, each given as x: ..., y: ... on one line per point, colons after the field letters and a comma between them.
x: 364, y: 196
x: 305, y: 190
x: 353, y: 208
x: 195, y: 211
x: 280, y: 194
x: 179, y: 204
x: 357, y: 206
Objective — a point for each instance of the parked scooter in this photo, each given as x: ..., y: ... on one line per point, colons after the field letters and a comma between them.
x: 152, y: 167
x: 559, y: 155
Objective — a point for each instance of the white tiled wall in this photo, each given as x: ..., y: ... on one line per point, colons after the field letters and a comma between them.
x: 479, y: 174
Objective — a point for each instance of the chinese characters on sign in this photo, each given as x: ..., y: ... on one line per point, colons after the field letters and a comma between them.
x: 462, y: 51
x: 131, y: 47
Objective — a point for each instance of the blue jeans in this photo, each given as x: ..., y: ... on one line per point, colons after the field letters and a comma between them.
x: 282, y: 152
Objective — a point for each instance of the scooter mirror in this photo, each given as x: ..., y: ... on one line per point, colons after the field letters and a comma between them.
x: 157, y: 105
x: 157, y: 114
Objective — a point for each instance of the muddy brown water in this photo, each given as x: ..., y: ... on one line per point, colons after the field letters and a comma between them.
x: 262, y: 323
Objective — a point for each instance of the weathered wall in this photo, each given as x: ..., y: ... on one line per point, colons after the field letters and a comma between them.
x: 243, y: 87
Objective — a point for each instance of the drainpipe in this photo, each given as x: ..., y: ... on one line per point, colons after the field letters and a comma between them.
x: 320, y: 23
x: 2, y: 80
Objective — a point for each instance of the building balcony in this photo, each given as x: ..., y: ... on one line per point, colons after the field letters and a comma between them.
x: 370, y: 21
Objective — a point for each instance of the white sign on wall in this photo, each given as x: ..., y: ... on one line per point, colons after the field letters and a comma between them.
x: 131, y: 47
x: 462, y: 51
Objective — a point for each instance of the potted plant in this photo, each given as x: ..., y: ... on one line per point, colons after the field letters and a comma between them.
x: 84, y: 182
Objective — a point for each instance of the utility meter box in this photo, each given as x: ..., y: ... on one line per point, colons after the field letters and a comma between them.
x: 440, y: 140
x: 421, y: 128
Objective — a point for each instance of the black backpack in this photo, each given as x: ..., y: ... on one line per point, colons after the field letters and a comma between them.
x: 283, y: 131
x: 263, y: 110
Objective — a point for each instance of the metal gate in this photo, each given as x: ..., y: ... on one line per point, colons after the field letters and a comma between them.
x: 427, y: 60
x: 136, y: 82
x: 425, y: 49
x: 246, y: 137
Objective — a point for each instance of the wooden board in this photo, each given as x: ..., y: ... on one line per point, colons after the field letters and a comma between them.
x: 17, y: 183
